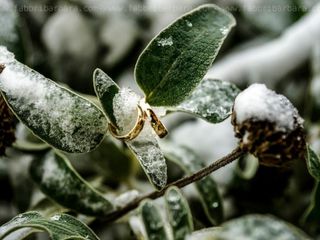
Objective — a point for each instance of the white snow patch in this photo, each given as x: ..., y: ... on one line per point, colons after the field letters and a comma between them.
x: 210, y: 142
x: 125, y: 198
x: 52, y: 172
x: 260, y: 103
x: 56, y: 217
x: 125, y: 109
x: 165, y: 42
x: 189, y: 24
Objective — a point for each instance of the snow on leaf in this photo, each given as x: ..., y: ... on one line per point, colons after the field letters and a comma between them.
x: 56, y: 115
x: 57, y: 179
x: 179, y: 214
x: 252, y: 227
x: 206, y: 187
x: 212, y: 100
x: 59, y: 227
x: 154, y: 225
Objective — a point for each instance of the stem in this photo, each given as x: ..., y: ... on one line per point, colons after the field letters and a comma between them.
x: 235, y: 154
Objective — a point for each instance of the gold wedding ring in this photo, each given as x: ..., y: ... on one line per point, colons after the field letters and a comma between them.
x: 156, y: 124
x: 143, y: 113
x: 135, y: 131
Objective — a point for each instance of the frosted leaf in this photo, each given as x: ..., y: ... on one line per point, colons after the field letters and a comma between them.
x: 260, y: 103
x: 53, y: 113
x: 251, y: 227
x: 102, y: 83
x: 153, y: 222
x: 212, y: 100
x: 105, y: 89
x: 60, y: 226
x: 145, y: 146
x: 178, y: 213
x: 58, y: 180
x: 207, y: 188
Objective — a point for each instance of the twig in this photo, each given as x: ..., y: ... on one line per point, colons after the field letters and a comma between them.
x: 2, y: 67
x: 179, y: 183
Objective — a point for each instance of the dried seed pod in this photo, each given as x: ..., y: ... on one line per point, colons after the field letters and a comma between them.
x: 268, y: 126
x: 7, y: 124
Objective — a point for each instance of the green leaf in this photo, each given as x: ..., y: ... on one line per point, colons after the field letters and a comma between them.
x: 178, y: 212
x: 145, y: 146
x: 313, y: 163
x: 146, y: 149
x: 177, y: 59
x: 207, y: 187
x: 312, y: 214
x: 9, y: 32
x: 153, y: 223
x: 58, y: 180
x: 46, y: 208
x: 59, y: 226
x: 212, y: 100
x: 105, y: 89
x: 56, y: 115
x: 253, y: 227
x: 121, y: 106
x: 29, y: 146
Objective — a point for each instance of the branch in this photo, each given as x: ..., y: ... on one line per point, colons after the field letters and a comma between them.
x: 273, y: 60
x: 235, y: 154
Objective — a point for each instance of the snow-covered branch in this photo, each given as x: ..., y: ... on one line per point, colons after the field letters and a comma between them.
x: 273, y: 60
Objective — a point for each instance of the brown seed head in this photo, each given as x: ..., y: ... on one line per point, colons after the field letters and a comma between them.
x: 274, y: 133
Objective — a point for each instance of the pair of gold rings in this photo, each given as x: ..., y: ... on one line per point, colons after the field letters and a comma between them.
x: 143, y: 114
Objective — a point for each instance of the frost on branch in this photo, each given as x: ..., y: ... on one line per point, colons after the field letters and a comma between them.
x: 268, y: 125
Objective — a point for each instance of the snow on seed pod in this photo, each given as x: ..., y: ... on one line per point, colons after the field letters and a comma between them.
x: 268, y: 126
